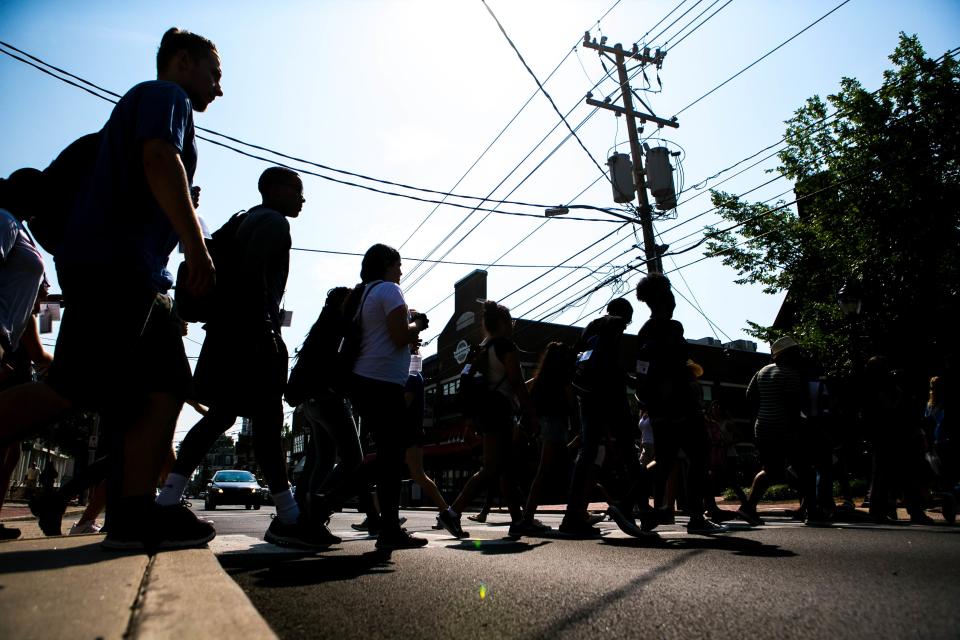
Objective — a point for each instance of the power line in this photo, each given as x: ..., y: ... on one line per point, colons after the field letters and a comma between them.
x: 542, y: 89
x: 763, y: 57
x: 450, y: 262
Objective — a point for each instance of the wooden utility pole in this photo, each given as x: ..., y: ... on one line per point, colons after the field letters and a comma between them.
x: 650, y: 251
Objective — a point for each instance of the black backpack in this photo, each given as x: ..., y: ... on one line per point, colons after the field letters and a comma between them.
x: 66, y: 178
x: 223, y: 249
x: 326, y: 358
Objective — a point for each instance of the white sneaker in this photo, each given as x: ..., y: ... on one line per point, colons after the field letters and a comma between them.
x: 81, y: 528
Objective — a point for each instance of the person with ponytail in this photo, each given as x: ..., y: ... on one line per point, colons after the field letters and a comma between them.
x: 379, y: 375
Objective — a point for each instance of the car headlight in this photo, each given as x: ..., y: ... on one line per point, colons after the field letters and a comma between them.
x: 219, y: 490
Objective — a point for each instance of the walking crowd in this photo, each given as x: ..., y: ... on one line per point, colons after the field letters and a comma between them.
x: 113, y: 206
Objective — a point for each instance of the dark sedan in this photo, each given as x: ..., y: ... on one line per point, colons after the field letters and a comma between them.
x: 234, y: 487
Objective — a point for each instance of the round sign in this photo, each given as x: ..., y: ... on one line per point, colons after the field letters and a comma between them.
x: 461, y: 352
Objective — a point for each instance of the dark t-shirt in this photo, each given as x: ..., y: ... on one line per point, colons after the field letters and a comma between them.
x: 606, y: 370
x: 264, y: 241
x: 664, y: 383
x: 117, y: 227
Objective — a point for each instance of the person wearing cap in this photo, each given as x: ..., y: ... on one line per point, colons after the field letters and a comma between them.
x: 778, y: 394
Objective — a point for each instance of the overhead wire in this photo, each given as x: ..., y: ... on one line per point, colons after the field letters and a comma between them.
x: 590, y: 115
x: 763, y: 57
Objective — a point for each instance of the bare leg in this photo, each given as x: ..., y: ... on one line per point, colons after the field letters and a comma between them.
x: 488, y: 471
x: 414, y: 458
x: 98, y: 498
x: 550, y: 452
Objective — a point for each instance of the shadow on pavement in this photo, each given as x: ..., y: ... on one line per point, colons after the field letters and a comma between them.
x: 603, y: 601
x: 300, y: 570
x: 497, y: 547
x: 738, y: 546
x: 57, y: 558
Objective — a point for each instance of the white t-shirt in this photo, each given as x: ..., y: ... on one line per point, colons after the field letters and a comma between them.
x: 21, y: 272
x: 381, y: 359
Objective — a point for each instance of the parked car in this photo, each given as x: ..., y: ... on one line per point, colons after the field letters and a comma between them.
x: 234, y: 487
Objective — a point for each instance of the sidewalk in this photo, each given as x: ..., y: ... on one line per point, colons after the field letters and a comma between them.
x: 66, y: 587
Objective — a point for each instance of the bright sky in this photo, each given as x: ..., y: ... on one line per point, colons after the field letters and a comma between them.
x: 414, y: 91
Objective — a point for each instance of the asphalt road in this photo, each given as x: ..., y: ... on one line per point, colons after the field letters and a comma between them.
x: 782, y: 580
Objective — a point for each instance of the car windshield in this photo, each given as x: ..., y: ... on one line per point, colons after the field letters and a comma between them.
x: 234, y: 476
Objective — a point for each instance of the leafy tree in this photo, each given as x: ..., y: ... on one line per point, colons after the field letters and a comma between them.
x: 878, y: 211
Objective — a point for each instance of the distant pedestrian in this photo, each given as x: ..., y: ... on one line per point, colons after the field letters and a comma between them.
x: 608, y: 429
x: 551, y: 392
x: 668, y: 391
x: 503, y: 391
x: 778, y: 394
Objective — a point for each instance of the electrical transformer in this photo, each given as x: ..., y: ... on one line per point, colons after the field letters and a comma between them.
x: 621, y: 177
x: 660, y: 178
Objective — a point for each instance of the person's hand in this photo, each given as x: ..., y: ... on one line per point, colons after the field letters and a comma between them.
x: 201, y: 274
x: 195, y: 196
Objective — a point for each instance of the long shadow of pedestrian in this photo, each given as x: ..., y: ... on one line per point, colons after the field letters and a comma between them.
x: 738, y: 546
x: 295, y: 570
x: 610, y: 598
x: 15, y: 560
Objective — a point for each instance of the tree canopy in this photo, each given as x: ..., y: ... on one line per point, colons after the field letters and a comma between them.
x: 877, y: 212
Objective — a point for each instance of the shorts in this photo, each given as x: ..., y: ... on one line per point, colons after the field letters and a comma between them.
x: 554, y: 429
x: 240, y: 373
x: 117, y: 344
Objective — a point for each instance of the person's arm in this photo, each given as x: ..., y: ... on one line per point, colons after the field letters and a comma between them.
x: 168, y: 183
x: 402, y: 332
x: 511, y: 364
x: 31, y: 343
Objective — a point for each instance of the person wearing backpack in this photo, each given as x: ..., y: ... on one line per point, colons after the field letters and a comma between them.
x: 667, y: 391
x: 605, y: 417
x: 377, y: 351
x: 242, y: 368
x: 496, y: 370
x: 315, y: 389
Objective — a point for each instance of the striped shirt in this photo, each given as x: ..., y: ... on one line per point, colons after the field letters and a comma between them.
x: 780, y: 393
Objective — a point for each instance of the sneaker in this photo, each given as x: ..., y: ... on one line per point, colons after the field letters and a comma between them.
x: 721, y: 515
x: 81, y: 528
x: 625, y: 522
x: 170, y: 527
x: 580, y: 530
x: 705, y: 527
x: 451, y: 524
x: 399, y: 539
x: 9, y: 533
x: 49, y: 510
x: 750, y: 517
x: 596, y: 518
x: 299, y: 535
x: 528, y: 528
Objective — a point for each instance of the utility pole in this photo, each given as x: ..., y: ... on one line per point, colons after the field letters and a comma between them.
x: 650, y: 251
